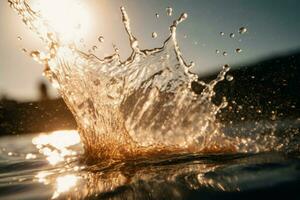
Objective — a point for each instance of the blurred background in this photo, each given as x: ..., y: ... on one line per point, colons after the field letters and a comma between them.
x: 265, y: 60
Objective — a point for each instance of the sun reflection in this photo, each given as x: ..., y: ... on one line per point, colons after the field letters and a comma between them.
x: 56, y: 146
x: 64, y: 184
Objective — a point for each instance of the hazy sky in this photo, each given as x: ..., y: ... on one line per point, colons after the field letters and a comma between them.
x: 273, y: 28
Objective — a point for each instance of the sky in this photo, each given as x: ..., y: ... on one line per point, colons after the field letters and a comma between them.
x: 273, y: 29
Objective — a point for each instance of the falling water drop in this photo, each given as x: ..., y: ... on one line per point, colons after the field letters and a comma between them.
x: 222, y: 33
x: 185, y: 36
x: 242, y: 30
x: 226, y: 67
x: 154, y: 35
x: 157, y: 15
x: 232, y: 35
x: 192, y: 64
x: 95, y: 48
x: 217, y: 51
x: 34, y: 54
x: 229, y: 78
x: 169, y: 11
x: 101, y: 39
x: 225, y: 53
x: 183, y: 16
x: 238, y: 50
x: 20, y: 38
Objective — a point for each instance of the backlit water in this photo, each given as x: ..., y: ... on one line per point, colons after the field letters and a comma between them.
x: 143, y: 132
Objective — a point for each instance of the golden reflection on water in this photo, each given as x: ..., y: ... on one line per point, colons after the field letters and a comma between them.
x: 141, y: 178
x: 57, y: 146
x: 64, y: 184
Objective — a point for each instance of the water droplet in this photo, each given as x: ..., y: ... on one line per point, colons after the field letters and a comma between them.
x: 35, y: 54
x: 192, y: 64
x: 222, y: 33
x: 95, y: 48
x: 258, y: 111
x: 135, y: 44
x: 242, y: 30
x: 154, y: 35
x: 183, y: 16
x: 225, y: 53
x: 116, y: 48
x: 238, y: 50
x: 20, y: 38
x: 24, y: 50
x: 217, y: 51
x: 229, y: 78
x: 101, y: 39
x: 226, y: 67
x: 169, y: 11
x: 30, y: 156
x: 185, y: 36
x: 232, y: 35
x: 157, y: 15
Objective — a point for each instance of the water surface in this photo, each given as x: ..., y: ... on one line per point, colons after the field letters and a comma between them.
x: 48, y: 166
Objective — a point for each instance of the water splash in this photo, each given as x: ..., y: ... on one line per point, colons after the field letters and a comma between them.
x: 142, y: 106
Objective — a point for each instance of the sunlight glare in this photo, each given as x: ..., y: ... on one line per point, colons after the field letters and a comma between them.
x: 64, y: 184
x: 69, y: 18
x: 56, y: 145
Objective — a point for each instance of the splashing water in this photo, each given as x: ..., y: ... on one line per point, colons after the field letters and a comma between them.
x: 142, y: 106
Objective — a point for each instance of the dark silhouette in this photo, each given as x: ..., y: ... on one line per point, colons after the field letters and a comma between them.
x: 265, y: 90
x: 43, y: 91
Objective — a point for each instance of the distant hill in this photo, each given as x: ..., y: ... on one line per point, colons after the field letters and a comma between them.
x: 266, y: 90
x: 32, y: 117
x: 262, y: 90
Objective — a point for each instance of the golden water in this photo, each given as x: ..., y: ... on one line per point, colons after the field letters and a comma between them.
x: 141, y: 106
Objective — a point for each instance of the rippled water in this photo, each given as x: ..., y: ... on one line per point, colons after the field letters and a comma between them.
x: 45, y: 166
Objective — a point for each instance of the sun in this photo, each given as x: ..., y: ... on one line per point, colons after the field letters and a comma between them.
x: 68, y: 18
